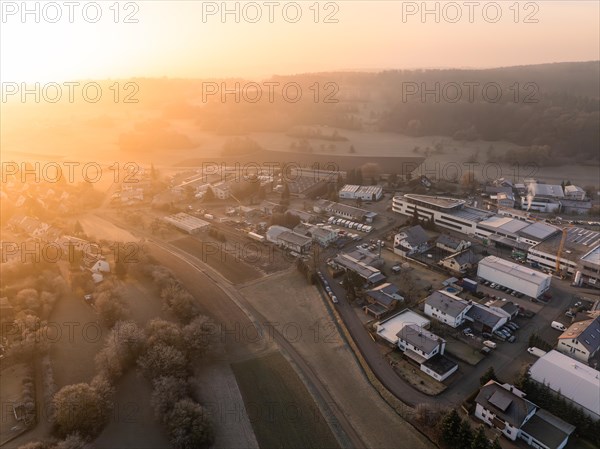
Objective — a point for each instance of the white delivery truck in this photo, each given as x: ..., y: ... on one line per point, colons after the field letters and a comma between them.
x: 558, y: 326
x: 536, y: 352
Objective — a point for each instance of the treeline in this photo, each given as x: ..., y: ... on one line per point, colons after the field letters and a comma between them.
x: 457, y: 433
x: 535, y: 341
x: 164, y: 351
x: 549, y: 104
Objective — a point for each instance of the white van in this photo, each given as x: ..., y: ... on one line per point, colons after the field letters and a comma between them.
x: 558, y: 326
x: 490, y: 344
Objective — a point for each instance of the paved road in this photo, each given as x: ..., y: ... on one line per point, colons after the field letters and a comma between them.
x: 507, y: 360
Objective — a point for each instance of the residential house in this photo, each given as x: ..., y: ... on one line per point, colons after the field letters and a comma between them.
x: 413, y: 240
x: 382, y: 299
x: 274, y: 232
x: 505, y: 408
x: 321, y: 235
x: 427, y: 350
x: 459, y: 263
x: 221, y: 190
x: 446, y: 308
x: 294, y: 242
x: 581, y: 340
x: 486, y: 319
x: 451, y: 244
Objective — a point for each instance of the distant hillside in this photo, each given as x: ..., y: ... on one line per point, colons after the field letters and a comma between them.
x: 551, y: 112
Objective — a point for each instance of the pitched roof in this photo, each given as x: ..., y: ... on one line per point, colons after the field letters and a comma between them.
x: 294, y: 239
x: 504, y: 403
x: 548, y: 429
x: 415, y: 235
x: 447, y: 303
x: 484, y: 315
x: 585, y: 332
x: 448, y: 240
x: 464, y: 257
x: 418, y: 337
x: 383, y: 294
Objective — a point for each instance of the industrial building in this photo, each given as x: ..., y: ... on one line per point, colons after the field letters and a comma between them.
x: 344, y: 211
x: 187, y: 223
x: 577, y: 251
x: 514, y: 276
x: 576, y: 382
x: 362, y: 263
x: 542, y: 197
x: 449, y: 213
x: 365, y: 193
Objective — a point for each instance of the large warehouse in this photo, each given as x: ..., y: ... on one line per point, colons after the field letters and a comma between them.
x: 187, y: 223
x: 513, y: 275
x: 365, y: 193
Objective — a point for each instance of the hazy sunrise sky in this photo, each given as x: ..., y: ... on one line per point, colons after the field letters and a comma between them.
x: 172, y: 39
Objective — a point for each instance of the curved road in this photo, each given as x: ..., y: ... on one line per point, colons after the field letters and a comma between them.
x: 238, y: 311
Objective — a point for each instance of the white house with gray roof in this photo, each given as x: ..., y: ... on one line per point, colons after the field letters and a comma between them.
x: 504, y: 407
x: 411, y: 241
x: 446, y: 308
x: 581, y: 340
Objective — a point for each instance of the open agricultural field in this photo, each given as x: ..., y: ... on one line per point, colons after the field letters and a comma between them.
x: 281, y: 410
x: 221, y: 257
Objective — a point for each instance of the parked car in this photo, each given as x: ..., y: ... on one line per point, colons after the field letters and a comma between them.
x: 469, y: 334
x: 334, y: 299
x: 486, y: 335
x: 569, y: 313
x: 512, y: 339
x: 512, y: 326
x: 490, y: 344
x: 500, y: 336
x: 485, y: 350
x: 493, y: 285
x: 468, y: 330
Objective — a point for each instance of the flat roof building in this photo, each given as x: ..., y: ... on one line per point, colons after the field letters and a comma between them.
x: 580, y: 254
x: 388, y: 329
x: 187, y: 223
x: 513, y: 275
x: 365, y: 193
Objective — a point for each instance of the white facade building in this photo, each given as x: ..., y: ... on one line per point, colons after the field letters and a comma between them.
x: 513, y: 275
x: 365, y: 193
x: 446, y: 308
